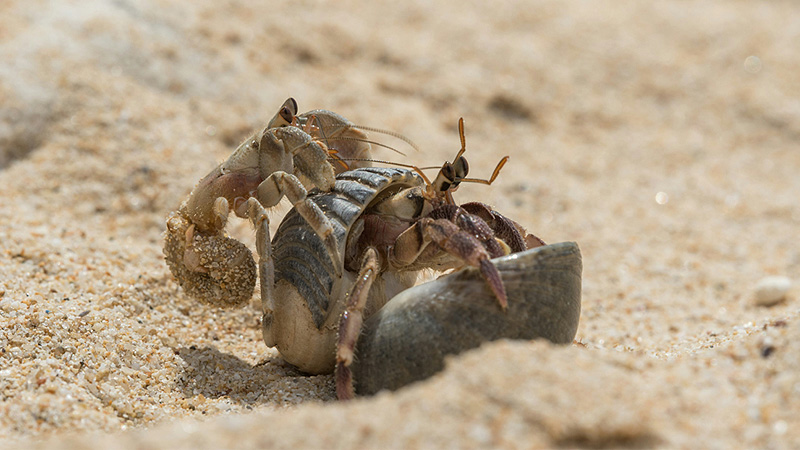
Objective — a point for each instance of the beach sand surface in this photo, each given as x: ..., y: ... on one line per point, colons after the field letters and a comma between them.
x: 662, y: 137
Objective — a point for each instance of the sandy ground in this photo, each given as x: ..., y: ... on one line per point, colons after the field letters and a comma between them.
x: 662, y: 137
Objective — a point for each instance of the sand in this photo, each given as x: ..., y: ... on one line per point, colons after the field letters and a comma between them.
x: 663, y: 138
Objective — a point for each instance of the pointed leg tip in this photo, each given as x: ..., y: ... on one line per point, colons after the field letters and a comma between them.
x: 500, y: 294
x: 495, y: 282
x: 344, y: 383
x: 503, y: 303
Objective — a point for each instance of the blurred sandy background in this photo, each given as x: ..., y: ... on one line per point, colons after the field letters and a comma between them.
x: 663, y: 137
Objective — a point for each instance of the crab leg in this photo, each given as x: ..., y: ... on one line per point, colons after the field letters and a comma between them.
x: 310, y: 157
x: 411, y: 243
x: 350, y: 324
x: 473, y: 224
x: 266, y: 267
x: 280, y: 184
x: 504, y: 228
x: 457, y: 242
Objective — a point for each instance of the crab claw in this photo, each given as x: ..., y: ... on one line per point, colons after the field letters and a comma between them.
x: 465, y: 246
x: 210, y: 267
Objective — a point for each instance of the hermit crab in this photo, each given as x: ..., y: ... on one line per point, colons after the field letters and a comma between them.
x: 390, y: 224
x: 336, y: 280
x: 286, y: 158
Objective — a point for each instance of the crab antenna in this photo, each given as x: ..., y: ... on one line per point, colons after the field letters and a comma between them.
x: 334, y: 156
x: 496, y: 172
x: 430, y: 167
x: 313, y: 119
x: 350, y: 138
x: 390, y: 133
x: 379, y: 130
x: 392, y: 163
x: 463, y: 139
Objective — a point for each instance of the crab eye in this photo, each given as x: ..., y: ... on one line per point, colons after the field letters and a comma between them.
x: 254, y: 144
x: 448, y: 172
x: 286, y: 114
x: 292, y: 105
x: 461, y: 168
x: 445, y: 178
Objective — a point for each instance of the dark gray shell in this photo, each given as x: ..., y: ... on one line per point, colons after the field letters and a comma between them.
x: 409, y: 337
x: 300, y: 255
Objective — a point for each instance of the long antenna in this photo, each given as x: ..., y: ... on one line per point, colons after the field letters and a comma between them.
x: 390, y: 133
x: 350, y: 138
x: 382, y: 131
x: 416, y: 169
x: 496, y: 172
x: 313, y: 118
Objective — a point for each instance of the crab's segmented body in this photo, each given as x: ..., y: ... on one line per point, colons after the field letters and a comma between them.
x: 301, y: 316
x: 407, y: 331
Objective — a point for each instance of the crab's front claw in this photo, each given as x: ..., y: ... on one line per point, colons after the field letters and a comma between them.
x: 210, y: 267
x: 468, y: 248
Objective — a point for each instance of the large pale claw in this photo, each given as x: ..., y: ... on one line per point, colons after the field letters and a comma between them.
x: 212, y: 268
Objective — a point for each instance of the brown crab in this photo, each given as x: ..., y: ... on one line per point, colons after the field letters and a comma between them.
x: 421, y: 227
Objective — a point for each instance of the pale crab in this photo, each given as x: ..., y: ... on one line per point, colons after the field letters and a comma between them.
x: 292, y: 154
